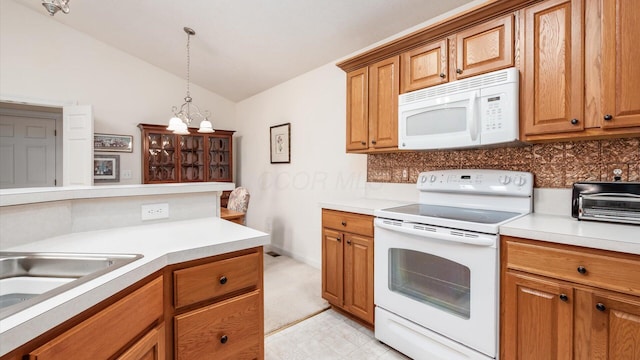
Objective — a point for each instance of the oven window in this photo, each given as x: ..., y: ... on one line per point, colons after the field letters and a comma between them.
x: 431, y: 280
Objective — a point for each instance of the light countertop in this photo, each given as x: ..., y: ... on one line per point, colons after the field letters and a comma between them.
x: 570, y: 231
x: 553, y: 228
x: 161, y: 244
x: 364, y: 206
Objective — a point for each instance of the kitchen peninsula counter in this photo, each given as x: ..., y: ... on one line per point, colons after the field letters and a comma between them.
x: 160, y: 243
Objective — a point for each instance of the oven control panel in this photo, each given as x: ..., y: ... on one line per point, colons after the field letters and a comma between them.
x: 518, y: 183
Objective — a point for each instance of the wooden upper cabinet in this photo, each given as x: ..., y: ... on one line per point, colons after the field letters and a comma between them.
x: 620, y: 64
x: 425, y: 66
x: 477, y: 50
x: 372, y: 106
x: 484, y: 48
x: 357, y: 109
x: 384, y: 83
x: 552, y: 69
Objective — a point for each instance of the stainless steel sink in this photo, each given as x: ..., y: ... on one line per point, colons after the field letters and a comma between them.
x: 27, y: 278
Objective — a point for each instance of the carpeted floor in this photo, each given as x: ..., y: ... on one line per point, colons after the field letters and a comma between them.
x: 292, y: 292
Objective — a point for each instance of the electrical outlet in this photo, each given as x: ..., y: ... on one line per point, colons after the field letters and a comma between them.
x: 405, y: 174
x: 155, y: 211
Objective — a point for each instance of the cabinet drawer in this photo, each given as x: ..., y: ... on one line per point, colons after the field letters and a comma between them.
x: 216, y: 279
x: 107, y: 332
x: 230, y: 329
x: 618, y: 272
x: 348, y: 222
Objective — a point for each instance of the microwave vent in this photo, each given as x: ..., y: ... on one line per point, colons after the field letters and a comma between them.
x: 476, y: 82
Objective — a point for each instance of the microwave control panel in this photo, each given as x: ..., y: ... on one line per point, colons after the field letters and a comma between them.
x: 492, y: 119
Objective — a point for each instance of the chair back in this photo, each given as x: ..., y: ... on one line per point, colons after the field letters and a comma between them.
x: 239, y: 200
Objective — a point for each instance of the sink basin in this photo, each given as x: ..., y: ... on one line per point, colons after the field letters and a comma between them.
x: 27, y: 278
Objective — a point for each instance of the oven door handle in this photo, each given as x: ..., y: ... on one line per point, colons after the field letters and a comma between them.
x: 479, y: 241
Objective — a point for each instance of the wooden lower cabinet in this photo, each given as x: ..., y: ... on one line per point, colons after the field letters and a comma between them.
x: 218, y: 308
x: 567, y: 316
x: 107, y: 333
x: 210, y: 308
x: 347, y: 263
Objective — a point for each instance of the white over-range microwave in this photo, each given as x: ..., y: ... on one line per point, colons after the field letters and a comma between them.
x: 480, y: 110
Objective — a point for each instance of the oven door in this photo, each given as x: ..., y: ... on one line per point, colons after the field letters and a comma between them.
x: 441, y: 279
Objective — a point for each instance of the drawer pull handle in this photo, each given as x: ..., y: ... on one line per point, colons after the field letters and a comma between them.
x: 600, y: 307
x: 224, y: 339
x: 344, y: 223
x: 223, y: 280
x: 564, y: 297
x: 582, y: 270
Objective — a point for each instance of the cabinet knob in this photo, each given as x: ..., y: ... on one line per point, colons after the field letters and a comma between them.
x: 349, y: 242
x: 582, y: 270
x: 601, y: 307
x: 458, y: 71
x: 574, y: 121
x: 442, y: 75
x: 363, y: 142
x: 608, y: 117
x: 338, y: 239
x: 373, y: 141
x: 564, y: 297
x: 344, y: 223
x: 223, y: 280
x: 224, y: 339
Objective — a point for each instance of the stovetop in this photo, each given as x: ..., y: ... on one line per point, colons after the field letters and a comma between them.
x: 455, y: 213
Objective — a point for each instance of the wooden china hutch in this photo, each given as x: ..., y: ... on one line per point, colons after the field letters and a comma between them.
x: 171, y: 158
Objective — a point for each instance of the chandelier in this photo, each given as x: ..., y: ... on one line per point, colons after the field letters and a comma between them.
x: 188, y: 112
x: 53, y: 6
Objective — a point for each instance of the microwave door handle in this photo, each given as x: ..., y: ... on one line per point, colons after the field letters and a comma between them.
x: 472, y: 119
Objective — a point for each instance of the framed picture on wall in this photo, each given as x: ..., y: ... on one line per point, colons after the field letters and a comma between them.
x: 115, y: 143
x: 281, y: 144
x: 106, y: 168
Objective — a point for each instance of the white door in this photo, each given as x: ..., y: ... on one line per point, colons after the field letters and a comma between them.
x: 77, y: 148
x: 27, y: 150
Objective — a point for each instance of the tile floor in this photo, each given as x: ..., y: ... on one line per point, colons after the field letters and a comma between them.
x: 327, y: 336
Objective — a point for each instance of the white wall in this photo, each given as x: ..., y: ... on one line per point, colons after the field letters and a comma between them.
x: 42, y: 59
x: 284, y: 197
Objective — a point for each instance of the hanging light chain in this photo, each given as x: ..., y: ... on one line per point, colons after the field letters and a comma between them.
x: 189, y: 33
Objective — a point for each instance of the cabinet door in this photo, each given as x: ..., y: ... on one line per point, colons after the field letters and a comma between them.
x: 553, y: 82
x: 332, y: 267
x: 615, y: 329
x: 425, y: 66
x: 358, y: 276
x: 192, y: 158
x: 537, y: 318
x: 150, y: 347
x: 384, y: 83
x: 484, y: 48
x: 219, y: 157
x: 160, y: 159
x: 621, y: 72
x: 357, y: 109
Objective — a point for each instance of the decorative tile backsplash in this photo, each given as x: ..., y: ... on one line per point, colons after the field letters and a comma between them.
x: 554, y: 165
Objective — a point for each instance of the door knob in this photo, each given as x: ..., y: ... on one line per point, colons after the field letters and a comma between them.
x: 574, y: 121
x: 442, y: 75
x: 601, y: 307
x: 564, y: 297
x: 458, y: 71
x: 608, y: 117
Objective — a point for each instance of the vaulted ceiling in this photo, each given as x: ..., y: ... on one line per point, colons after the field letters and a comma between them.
x: 243, y: 47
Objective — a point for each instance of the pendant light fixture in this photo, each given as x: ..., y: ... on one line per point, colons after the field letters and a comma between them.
x: 188, y: 112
